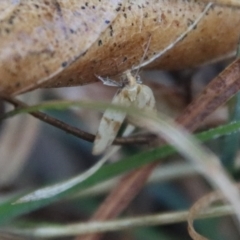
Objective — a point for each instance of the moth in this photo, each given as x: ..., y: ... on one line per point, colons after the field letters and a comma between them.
x: 131, y: 92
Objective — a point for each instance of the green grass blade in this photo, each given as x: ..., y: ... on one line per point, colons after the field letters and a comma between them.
x: 9, y: 211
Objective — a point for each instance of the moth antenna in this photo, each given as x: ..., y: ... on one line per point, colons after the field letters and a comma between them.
x: 109, y: 82
x: 144, y: 55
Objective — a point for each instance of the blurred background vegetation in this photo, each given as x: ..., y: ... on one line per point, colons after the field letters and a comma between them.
x: 35, y: 154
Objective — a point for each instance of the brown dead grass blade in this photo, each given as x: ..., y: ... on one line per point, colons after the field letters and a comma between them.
x: 199, y: 207
x: 223, y: 87
x: 201, y: 204
x: 218, y: 91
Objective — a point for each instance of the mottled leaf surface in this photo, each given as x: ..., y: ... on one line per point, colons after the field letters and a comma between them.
x: 65, y: 43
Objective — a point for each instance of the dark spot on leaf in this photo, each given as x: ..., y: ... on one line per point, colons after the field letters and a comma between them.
x: 64, y: 64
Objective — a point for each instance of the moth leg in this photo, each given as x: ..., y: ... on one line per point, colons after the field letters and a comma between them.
x: 138, y: 79
x: 109, y: 82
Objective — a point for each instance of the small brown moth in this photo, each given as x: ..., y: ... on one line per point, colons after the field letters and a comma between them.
x: 132, y: 93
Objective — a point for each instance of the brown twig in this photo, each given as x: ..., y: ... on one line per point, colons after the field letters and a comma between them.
x: 139, y: 139
x: 223, y: 87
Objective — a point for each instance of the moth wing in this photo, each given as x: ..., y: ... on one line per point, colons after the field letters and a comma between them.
x: 145, y: 98
x: 110, y: 123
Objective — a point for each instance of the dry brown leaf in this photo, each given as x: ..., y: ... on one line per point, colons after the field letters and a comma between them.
x: 39, y: 39
x: 63, y: 43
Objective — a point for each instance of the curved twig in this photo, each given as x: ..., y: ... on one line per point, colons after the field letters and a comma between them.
x: 140, y: 139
